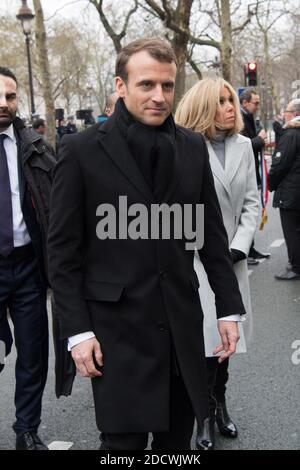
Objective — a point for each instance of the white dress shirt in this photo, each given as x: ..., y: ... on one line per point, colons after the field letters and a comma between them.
x: 21, y: 235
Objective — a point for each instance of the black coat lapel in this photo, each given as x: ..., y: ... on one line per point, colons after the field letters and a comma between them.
x: 111, y: 139
x: 179, y: 161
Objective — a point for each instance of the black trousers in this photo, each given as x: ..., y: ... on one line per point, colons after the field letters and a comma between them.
x: 24, y: 296
x: 290, y: 221
x: 217, y: 377
x: 251, y: 248
x: 178, y: 437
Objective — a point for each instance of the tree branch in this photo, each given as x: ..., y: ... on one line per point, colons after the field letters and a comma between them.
x: 240, y: 28
x: 115, y: 37
x: 129, y: 14
x: 193, y: 63
x: 170, y: 23
x: 155, y: 7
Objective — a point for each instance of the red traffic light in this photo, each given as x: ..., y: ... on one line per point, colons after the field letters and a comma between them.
x: 252, y: 66
x: 251, y: 74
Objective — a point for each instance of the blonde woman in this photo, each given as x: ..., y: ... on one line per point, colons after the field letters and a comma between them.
x: 211, y: 107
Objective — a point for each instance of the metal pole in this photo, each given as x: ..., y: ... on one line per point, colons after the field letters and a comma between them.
x: 30, y: 75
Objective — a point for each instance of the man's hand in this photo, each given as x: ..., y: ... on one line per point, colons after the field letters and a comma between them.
x: 84, y: 355
x: 229, y: 332
x: 263, y: 135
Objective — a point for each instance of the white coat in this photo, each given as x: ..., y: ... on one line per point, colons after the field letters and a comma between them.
x: 237, y: 193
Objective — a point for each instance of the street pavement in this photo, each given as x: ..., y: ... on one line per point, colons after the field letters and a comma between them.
x: 264, y: 387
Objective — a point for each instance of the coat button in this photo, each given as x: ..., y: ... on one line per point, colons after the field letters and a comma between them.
x: 163, y: 274
x: 161, y: 326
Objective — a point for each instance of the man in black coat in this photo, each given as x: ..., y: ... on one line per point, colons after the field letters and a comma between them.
x: 250, y: 102
x: 128, y: 299
x: 284, y: 179
x: 25, y: 179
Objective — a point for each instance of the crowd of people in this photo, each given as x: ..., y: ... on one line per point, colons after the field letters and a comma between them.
x: 152, y: 323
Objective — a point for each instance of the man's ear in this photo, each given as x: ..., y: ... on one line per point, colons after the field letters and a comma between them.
x: 120, y: 86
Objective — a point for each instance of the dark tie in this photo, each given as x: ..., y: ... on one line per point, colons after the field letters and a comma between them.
x: 6, y: 214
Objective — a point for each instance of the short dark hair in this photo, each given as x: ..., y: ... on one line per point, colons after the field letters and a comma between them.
x: 246, y: 95
x: 8, y: 73
x: 38, y: 123
x: 156, y: 48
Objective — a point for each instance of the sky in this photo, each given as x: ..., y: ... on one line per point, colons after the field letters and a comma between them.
x: 64, y: 8
x: 74, y: 10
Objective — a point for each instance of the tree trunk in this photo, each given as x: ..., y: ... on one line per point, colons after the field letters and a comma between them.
x: 270, y: 76
x: 43, y: 61
x: 180, y: 49
x: 180, y: 45
x: 226, y: 43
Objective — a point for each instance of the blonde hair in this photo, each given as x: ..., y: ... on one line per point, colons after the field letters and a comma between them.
x: 197, y: 109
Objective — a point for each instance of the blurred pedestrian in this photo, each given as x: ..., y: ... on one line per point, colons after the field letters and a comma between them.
x: 71, y: 127
x: 109, y: 107
x: 250, y: 102
x: 39, y: 125
x: 284, y: 179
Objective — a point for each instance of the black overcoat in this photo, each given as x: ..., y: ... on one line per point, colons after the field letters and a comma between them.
x: 138, y: 296
x: 284, y: 174
x: 257, y: 142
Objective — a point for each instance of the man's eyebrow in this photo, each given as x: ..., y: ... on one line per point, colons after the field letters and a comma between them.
x: 12, y: 94
x: 141, y: 82
x: 145, y: 80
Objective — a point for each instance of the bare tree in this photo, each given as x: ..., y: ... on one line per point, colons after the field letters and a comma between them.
x: 70, y: 60
x: 266, y: 16
x: 115, y: 37
x: 223, y: 8
x: 177, y: 19
x: 43, y: 62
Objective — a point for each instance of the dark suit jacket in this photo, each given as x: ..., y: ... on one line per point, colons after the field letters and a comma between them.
x: 136, y: 295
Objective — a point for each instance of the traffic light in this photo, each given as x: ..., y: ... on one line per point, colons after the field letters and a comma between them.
x: 251, y: 73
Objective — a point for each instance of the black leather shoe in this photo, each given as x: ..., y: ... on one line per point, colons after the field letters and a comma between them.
x: 205, y: 439
x: 251, y: 261
x: 225, y: 424
x: 253, y: 253
x: 30, y: 441
x: 287, y: 276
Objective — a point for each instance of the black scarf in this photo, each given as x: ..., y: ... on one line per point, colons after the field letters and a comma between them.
x: 152, y: 147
